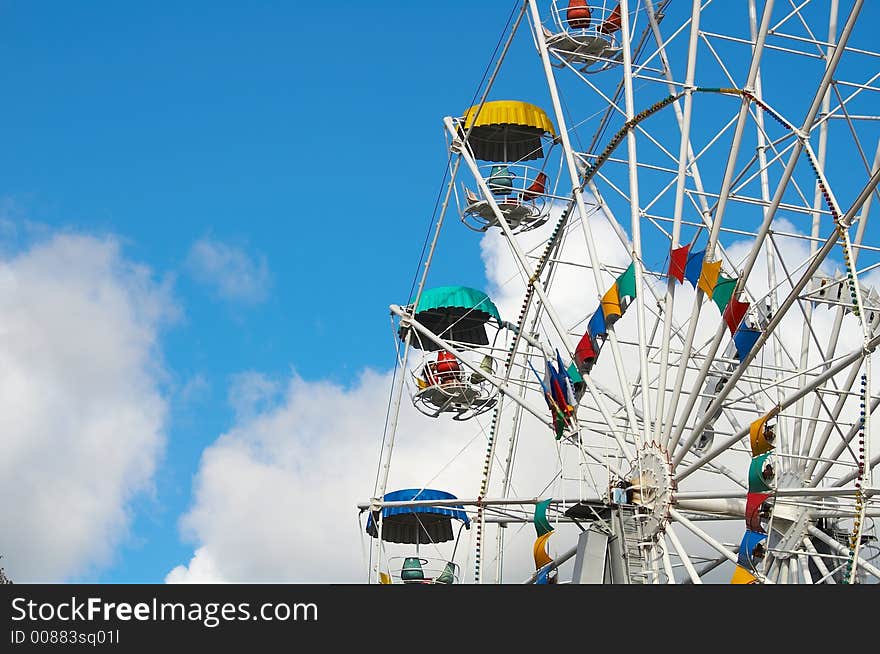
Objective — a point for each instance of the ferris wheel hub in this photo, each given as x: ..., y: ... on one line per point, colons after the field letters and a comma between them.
x: 653, y: 486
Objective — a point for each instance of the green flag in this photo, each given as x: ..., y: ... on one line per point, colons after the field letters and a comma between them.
x: 723, y: 291
x: 626, y: 283
x: 542, y: 525
x: 558, y: 423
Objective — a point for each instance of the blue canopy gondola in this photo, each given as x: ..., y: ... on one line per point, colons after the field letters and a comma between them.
x: 417, y: 524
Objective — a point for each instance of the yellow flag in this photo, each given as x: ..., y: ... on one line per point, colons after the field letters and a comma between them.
x: 743, y: 576
x: 709, y: 277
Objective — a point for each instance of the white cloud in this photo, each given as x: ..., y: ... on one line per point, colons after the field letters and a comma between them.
x: 82, y: 411
x: 275, y: 494
x: 230, y: 271
x: 201, y: 570
x: 250, y: 393
x: 195, y: 389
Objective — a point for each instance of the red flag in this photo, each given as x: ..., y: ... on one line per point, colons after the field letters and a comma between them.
x: 734, y: 313
x: 585, y: 353
x: 678, y: 261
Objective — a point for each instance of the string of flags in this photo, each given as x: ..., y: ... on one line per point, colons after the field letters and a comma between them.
x: 752, y: 548
x: 560, y: 394
x: 544, y: 530
x: 563, y: 386
x: 610, y: 309
x: 683, y: 265
x: 707, y: 276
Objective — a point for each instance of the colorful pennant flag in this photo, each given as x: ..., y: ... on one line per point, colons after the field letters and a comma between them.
x: 745, y: 339
x: 611, y: 305
x: 678, y: 262
x: 723, y: 290
x: 567, y: 385
x: 626, y: 283
x: 596, y: 326
x: 694, y: 267
x: 542, y: 524
x: 555, y: 411
x: 585, y: 353
x: 734, y: 313
x: 743, y: 576
x: 709, y: 277
x: 544, y: 530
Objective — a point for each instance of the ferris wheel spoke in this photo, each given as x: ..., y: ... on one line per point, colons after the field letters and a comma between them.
x: 840, y: 549
x: 817, y: 474
x: 794, y: 445
x: 839, y: 317
x: 774, y: 321
x: 577, y: 190
x: 702, y: 535
x: 526, y: 269
x: 667, y: 560
x: 716, y: 507
x: 838, y: 321
x: 683, y: 556
x: 771, y: 249
x: 635, y: 216
x: 672, y: 441
x: 769, y: 215
x: 712, y: 565
x: 842, y: 364
x: 872, y: 463
x: 803, y: 562
x: 819, y: 562
x: 763, y: 140
x: 685, y: 158
x: 822, y: 153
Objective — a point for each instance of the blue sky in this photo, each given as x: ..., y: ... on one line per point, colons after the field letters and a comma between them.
x: 306, y: 134
x: 305, y: 137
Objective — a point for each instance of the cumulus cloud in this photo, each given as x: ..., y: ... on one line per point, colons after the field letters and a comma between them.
x: 301, y: 455
x: 251, y: 392
x: 83, y: 413
x: 231, y: 272
x: 275, y: 494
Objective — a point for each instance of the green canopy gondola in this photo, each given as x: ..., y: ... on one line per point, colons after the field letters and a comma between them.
x: 454, y: 313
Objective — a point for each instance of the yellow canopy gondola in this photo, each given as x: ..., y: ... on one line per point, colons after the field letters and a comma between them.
x: 507, y: 130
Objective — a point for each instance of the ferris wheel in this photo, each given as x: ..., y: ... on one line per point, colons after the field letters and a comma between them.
x: 668, y: 378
